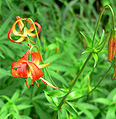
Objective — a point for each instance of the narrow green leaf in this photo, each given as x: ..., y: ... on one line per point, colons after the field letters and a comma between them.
x: 57, y: 93
x: 86, y: 112
x: 66, y: 11
x: 88, y: 50
x: 95, y: 56
x: 111, y: 112
x: 4, y: 73
x: 88, y: 39
x: 7, y: 98
x: 5, y: 25
x: 23, y: 106
x: 0, y: 6
x: 102, y: 101
x: 42, y: 113
x: 15, y: 96
x: 53, y: 57
x: 58, y: 77
x: 73, y: 108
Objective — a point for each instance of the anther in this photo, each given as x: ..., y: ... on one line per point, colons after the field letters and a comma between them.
x: 37, y: 84
x: 32, y: 83
x: 33, y: 42
x: 26, y: 84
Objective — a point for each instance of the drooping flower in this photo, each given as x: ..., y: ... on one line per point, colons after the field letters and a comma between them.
x: 112, y: 45
x: 23, y: 32
x: 30, y: 69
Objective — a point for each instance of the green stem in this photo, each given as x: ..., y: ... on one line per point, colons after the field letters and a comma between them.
x: 36, y: 34
x: 48, y: 73
x: 70, y: 89
x: 97, y: 83
x: 98, y: 22
x: 41, y: 51
x: 106, y: 39
x: 8, y: 116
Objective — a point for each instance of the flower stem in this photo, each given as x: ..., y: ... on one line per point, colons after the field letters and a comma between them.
x: 97, y: 83
x: 39, y: 44
x: 98, y: 22
x: 70, y: 89
x: 106, y: 39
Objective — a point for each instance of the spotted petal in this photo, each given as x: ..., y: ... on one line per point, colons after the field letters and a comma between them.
x: 36, y: 72
x: 14, y: 29
x: 36, y: 57
x: 31, y: 25
x: 20, y: 70
x: 32, y: 28
x: 23, y: 59
x: 17, y: 41
x: 20, y: 23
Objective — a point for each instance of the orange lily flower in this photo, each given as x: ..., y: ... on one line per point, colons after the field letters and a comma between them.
x: 24, y: 31
x: 30, y: 69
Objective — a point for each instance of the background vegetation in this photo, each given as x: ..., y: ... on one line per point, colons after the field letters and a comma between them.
x: 63, y: 44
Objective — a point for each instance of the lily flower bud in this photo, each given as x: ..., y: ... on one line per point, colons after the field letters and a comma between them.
x: 112, y: 45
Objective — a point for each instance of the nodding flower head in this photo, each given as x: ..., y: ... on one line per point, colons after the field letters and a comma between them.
x: 112, y: 45
x: 23, y: 31
x: 26, y: 68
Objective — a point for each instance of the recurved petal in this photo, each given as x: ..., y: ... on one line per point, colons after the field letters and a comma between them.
x: 26, y: 53
x: 17, y: 41
x: 30, y: 34
x: 14, y: 71
x: 39, y: 26
x: 20, y: 39
x: 31, y: 25
x: 19, y: 69
x: 20, y: 23
x: 9, y: 37
x: 44, y: 65
x: 47, y: 83
x: 14, y: 29
x: 32, y: 28
x: 36, y: 57
x: 36, y: 72
x: 23, y: 59
x: 22, y: 70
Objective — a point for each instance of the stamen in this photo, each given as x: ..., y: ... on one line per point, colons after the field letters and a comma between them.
x: 37, y: 83
x: 28, y: 42
x: 33, y: 42
x: 29, y: 45
x: 26, y: 84
x: 32, y: 83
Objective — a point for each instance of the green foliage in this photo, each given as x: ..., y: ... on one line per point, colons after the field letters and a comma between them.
x: 66, y: 39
